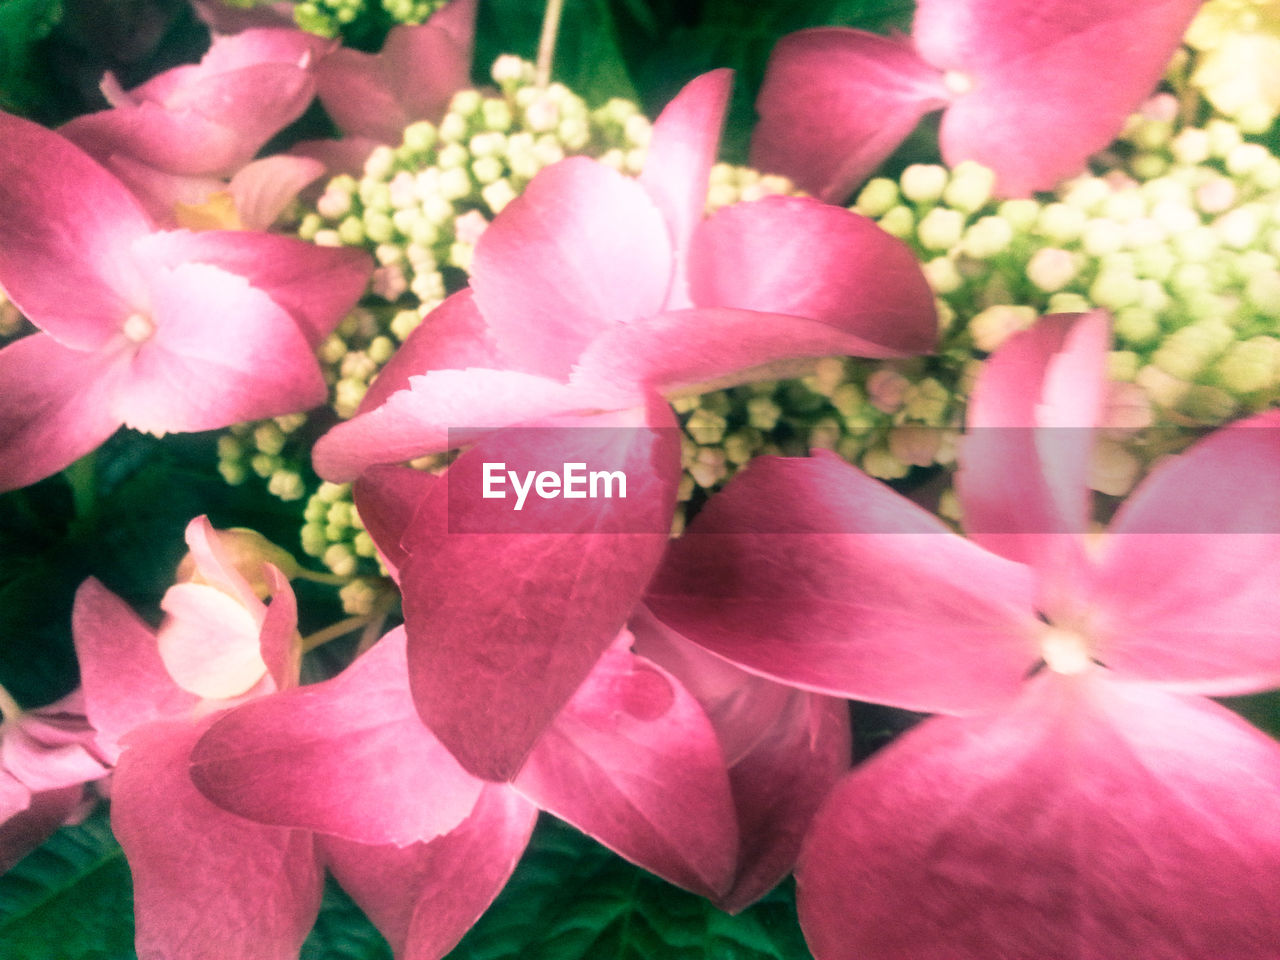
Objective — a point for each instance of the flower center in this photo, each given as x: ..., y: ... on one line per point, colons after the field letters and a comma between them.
x: 957, y: 82
x: 138, y: 328
x: 1064, y: 651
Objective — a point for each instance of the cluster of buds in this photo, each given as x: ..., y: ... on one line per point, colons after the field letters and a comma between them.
x: 327, y: 18
x: 1234, y: 52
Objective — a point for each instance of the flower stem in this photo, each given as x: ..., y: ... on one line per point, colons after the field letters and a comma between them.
x: 547, y: 42
x: 334, y: 631
x: 10, y: 709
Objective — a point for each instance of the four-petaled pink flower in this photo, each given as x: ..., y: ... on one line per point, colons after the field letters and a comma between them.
x: 1030, y: 89
x: 163, y: 331
x: 1096, y: 807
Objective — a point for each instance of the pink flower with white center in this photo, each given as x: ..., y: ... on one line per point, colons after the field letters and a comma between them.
x: 1099, y: 804
x: 1030, y: 89
x: 163, y: 331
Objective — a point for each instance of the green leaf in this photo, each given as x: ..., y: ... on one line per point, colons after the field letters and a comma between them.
x: 571, y: 899
x: 342, y: 932
x: 69, y: 900
x: 23, y: 24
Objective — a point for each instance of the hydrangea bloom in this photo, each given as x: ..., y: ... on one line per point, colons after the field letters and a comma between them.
x: 1030, y: 89
x: 168, y: 331
x: 1097, y: 804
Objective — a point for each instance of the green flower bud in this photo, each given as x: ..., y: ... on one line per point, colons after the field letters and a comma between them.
x: 940, y: 228
x: 923, y: 183
x: 877, y: 198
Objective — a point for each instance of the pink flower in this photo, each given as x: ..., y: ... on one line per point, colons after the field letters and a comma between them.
x: 1030, y: 89
x: 165, y: 332
x: 1100, y: 803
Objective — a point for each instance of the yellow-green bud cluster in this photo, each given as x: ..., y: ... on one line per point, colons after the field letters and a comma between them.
x: 1234, y: 60
x: 333, y: 533
x: 270, y: 450
x: 329, y: 18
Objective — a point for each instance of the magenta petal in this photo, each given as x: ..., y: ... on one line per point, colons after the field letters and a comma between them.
x: 24, y: 829
x: 425, y: 896
x: 317, y: 285
x: 387, y: 498
x: 125, y: 682
x: 65, y: 224
x: 795, y: 256
x: 222, y: 352
x: 57, y: 407
x: 1187, y: 582
x: 835, y: 103
x: 633, y: 761
x: 678, y: 163
x: 1049, y: 89
x: 1089, y: 817
x: 453, y: 336
x: 417, y: 421
x: 347, y: 757
x: 583, y: 248
x: 810, y: 572
x: 504, y: 627
x: 247, y: 890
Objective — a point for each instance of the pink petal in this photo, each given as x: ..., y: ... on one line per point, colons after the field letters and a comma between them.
x: 1090, y: 817
x: 264, y: 188
x: 246, y: 890
x: 347, y: 757
x: 51, y: 748
x: 278, y: 640
x: 125, y: 682
x: 453, y: 336
x: 209, y: 642
x: 215, y: 565
x: 677, y: 166
x: 338, y: 156
x: 795, y: 256
x: 812, y: 573
x: 222, y: 352
x: 418, y: 421
x: 57, y: 407
x: 222, y: 18
x: 1023, y: 480
x: 1049, y: 89
x: 582, y: 249
x: 161, y: 192
x: 387, y: 497
x: 835, y: 103
x: 633, y: 761
x: 504, y: 626
x: 425, y: 896
x: 25, y: 829
x: 66, y: 224
x: 317, y: 285
x: 1187, y: 583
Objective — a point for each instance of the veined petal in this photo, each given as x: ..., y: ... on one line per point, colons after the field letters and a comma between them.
x: 249, y: 890
x: 66, y: 224
x: 425, y: 896
x: 633, y: 761
x: 316, y: 285
x: 1052, y: 82
x: 387, y: 497
x: 795, y: 256
x: 347, y: 757
x: 264, y: 188
x: 57, y: 407
x: 23, y: 828
x: 582, y: 249
x: 504, y: 626
x: 222, y: 352
x: 836, y: 102
x: 1188, y: 584
x: 811, y: 573
x: 1090, y: 816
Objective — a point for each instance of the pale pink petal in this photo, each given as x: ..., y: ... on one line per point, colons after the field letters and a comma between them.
x: 206, y: 883
x: 216, y: 566
x: 504, y: 626
x: 57, y: 407
x: 633, y: 762
x: 51, y: 747
x: 125, y: 682
x: 425, y: 896
x: 582, y: 249
x: 835, y: 103
x: 264, y: 188
x: 1090, y: 817
x: 1048, y: 89
x: 453, y: 336
x: 810, y: 572
x: 23, y: 830
x: 287, y: 45
x: 347, y: 757
x: 66, y: 224
x: 316, y: 285
x: 1188, y: 584
x: 795, y: 256
x: 209, y: 642
x: 387, y: 497
x: 222, y: 352
x: 418, y: 421
x: 677, y: 166
x: 1025, y: 460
